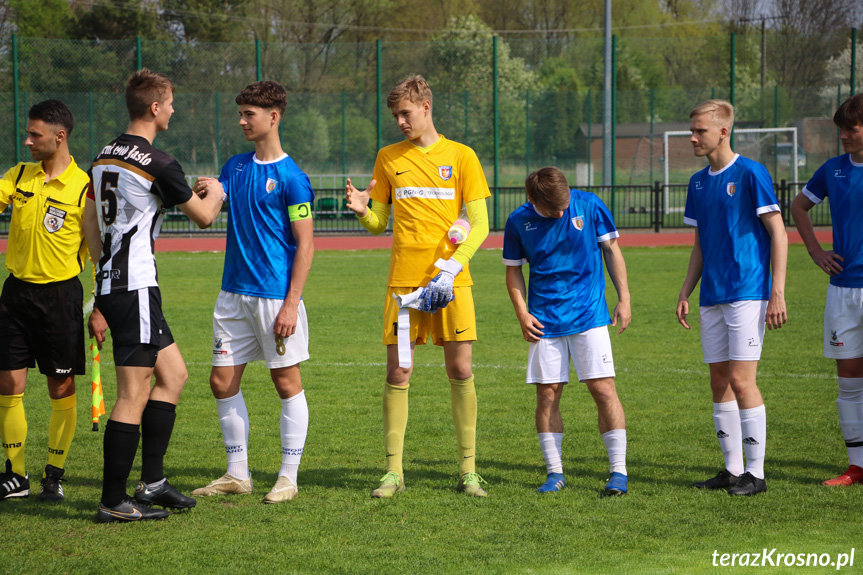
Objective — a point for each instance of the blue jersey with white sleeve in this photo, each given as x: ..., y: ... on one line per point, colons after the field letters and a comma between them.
x: 260, y: 247
x: 566, y: 291
x: 840, y: 180
x: 726, y: 207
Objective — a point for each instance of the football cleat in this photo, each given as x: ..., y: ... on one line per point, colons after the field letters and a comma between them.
x: 469, y: 483
x: 52, y: 489
x: 854, y: 474
x: 12, y: 484
x: 554, y: 482
x: 283, y: 490
x: 127, y: 511
x: 391, y: 483
x: 748, y: 485
x: 225, y: 485
x: 723, y: 480
x: 618, y: 484
x: 165, y: 495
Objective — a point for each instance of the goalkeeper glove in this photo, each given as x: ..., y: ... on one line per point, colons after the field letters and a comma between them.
x: 438, y: 292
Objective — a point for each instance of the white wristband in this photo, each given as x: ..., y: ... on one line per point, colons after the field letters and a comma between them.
x: 449, y: 265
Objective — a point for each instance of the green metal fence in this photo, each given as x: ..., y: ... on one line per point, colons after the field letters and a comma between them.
x: 521, y: 104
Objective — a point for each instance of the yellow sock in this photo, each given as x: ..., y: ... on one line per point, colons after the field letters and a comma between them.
x: 395, y: 423
x: 61, y: 429
x: 13, y: 430
x: 463, y: 399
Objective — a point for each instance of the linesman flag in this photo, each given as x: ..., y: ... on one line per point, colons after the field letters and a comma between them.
x: 98, y: 397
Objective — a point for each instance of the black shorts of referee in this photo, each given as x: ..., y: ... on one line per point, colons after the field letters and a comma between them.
x: 44, y: 324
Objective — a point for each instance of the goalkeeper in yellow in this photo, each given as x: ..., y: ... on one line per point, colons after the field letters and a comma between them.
x: 427, y: 179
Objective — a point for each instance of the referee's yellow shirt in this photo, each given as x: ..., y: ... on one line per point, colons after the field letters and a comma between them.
x: 46, y: 240
x: 427, y: 188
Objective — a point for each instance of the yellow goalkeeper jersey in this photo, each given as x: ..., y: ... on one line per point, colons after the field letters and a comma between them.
x: 427, y: 188
x: 46, y: 241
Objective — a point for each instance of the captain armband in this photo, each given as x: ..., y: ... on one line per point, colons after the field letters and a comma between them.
x: 300, y: 212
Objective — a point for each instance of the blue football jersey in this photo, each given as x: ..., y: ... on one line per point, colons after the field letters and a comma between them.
x: 726, y: 207
x: 260, y: 246
x: 566, y: 291
x: 841, y: 181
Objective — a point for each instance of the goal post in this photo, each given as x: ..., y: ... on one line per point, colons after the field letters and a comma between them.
x: 776, y: 144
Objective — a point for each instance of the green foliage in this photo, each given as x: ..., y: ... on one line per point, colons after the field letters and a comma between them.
x: 662, y: 526
x: 119, y: 19
x: 43, y: 19
x: 205, y: 20
x: 305, y: 134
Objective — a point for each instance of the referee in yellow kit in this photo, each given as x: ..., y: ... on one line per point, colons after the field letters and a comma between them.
x: 41, y: 315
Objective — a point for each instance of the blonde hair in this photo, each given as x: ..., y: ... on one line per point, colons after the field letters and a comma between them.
x: 415, y: 89
x: 721, y: 111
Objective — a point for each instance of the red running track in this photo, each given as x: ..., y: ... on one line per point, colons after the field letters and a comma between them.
x: 369, y: 242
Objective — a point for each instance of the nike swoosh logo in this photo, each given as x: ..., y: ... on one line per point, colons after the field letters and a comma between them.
x: 404, y: 172
x: 133, y: 516
x: 459, y: 332
x: 468, y: 456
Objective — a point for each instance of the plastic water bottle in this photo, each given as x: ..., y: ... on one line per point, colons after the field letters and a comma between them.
x: 460, y: 229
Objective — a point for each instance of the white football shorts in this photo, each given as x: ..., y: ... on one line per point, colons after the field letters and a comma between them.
x: 243, y: 332
x: 548, y: 359
x: 733, y: 331
x: 843, y: 323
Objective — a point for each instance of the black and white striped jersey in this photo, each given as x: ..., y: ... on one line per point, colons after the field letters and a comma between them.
x: 133, y: 184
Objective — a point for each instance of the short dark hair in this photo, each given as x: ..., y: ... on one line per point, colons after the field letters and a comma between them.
x: 53, y: 112
x: 548, y: 189
x: 850, y: 113
x: 414, y: 89
x: 264, y: 94
x: 143, y: 88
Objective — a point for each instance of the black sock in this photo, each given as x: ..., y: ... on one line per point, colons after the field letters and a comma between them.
x: 157, y: 424
x: 119, y: 448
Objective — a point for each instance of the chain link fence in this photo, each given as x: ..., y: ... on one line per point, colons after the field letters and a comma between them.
x: 541, y: 110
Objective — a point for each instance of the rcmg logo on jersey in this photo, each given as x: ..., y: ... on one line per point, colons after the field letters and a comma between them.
x: 834, y: 339
x: 578, y: 222
x: 445, y: 172
x: 271, y: 185
x: 54, y: 219
x: 731, y: 189
x: 217, y: 347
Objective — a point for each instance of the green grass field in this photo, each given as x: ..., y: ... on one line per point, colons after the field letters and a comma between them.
x: 662, y: 526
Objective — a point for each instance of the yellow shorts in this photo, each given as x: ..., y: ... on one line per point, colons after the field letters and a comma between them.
x: 455, y: 322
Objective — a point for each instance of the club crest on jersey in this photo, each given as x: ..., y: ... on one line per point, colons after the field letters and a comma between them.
x: 445, y: 172
x: 54, y: 219
x: 271, y: 185
x: 578, y: 222
x: 731, y: 189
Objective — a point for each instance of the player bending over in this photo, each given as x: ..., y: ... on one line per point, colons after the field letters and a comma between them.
x: 563, y: 235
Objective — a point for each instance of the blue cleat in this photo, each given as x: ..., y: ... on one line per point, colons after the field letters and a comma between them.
x: 617, y: 484
x: 554, y: 482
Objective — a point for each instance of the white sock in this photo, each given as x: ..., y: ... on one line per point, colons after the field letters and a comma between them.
x: 234, y: 421
x: 294, y: 425
x: 726, y: 420
x: 615, y: 445
x: 753, y: 424
x: 551, y: 445
x: 849, y: 404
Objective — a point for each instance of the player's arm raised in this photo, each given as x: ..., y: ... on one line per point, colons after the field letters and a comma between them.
x: 776, y: 312
x: 302, y: 229
x: 204, y: 205
x: 693, y: 276
x: 531, y: 329
x: 617, y: 271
